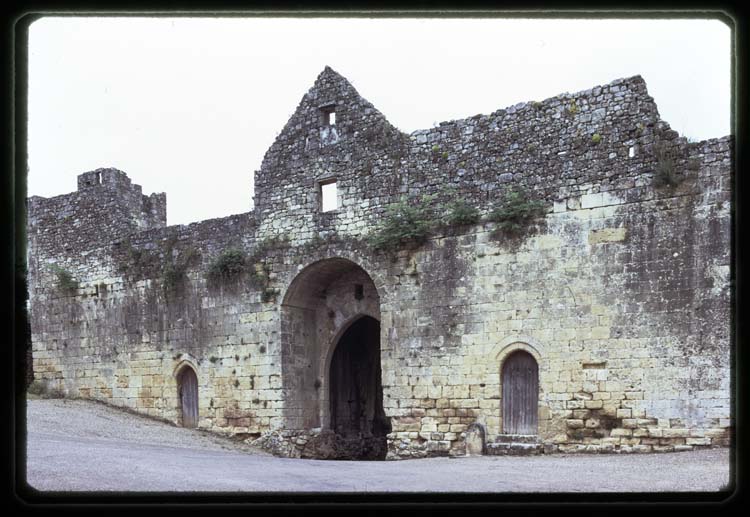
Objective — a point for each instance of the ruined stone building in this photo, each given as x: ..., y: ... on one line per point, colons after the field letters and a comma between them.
x: 599, y: 323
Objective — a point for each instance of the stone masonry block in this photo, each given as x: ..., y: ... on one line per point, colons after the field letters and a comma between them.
x: 675, y: 433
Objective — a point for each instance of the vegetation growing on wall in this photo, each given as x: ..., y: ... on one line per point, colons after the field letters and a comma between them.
x: 167, y: 261
x: 515, y: 212
x: 411, y: 222
x: 405, y: 223
x: 138, y: 263
x: 665, y: 173
x: 172, y: 278
x: 65, y: 282
x: 460, y: 212
x: 175, y: 266
x: 174, y: 273
x: 229, y: 265
x: 438, y: 154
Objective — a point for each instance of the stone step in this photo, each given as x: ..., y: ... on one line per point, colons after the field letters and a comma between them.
x: 517, y: 438
x: 514, y: 449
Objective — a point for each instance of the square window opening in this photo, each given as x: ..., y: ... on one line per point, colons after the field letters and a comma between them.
x: 329, y: 115
x: 328, y: 196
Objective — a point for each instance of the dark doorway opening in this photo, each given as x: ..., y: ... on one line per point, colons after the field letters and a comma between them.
x: 187, y: 384
x: 520, y: 394
x: 356, y: 397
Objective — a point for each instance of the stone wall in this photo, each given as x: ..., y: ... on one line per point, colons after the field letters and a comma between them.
x: 595, y: 141
x: 621, y: 291
x: 615, y: 301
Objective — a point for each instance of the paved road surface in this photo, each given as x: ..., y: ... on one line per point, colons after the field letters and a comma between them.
x: 85, y: 446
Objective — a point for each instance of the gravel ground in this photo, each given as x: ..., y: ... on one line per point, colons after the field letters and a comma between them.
x: 88, y: 419
x: 85, y: 446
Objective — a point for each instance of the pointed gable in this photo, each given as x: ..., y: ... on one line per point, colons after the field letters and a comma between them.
x: 331, y: 117
x: 333, y: 133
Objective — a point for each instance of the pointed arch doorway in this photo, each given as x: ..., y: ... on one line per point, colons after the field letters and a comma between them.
x: 356, y: 391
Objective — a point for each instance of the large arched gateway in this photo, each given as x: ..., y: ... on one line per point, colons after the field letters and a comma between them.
x: 330, y: 347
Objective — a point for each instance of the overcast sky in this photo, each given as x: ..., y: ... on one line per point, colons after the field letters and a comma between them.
x: 188, y: 106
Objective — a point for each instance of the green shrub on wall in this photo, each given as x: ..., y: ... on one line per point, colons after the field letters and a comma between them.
x: 231, y: 264
x: 411, y: 223
x: 460, y: 213
x: 515, y: 212
x: 64, y: 280
x: 404, y: 223
x: 235, y: 264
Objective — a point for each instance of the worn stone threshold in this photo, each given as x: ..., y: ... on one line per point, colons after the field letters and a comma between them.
x: 515, y: 445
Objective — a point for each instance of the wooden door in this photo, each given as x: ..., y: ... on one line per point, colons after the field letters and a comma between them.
x: 188, y: 386
x: 356, y: 391
x: 520, y: 394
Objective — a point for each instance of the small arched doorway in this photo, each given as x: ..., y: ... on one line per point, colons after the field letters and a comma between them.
x: 356, y: 391
x: 187, y: 388
x: 520, y: 393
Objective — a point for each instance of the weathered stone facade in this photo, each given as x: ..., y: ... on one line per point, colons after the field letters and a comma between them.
x: 620, y: 293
